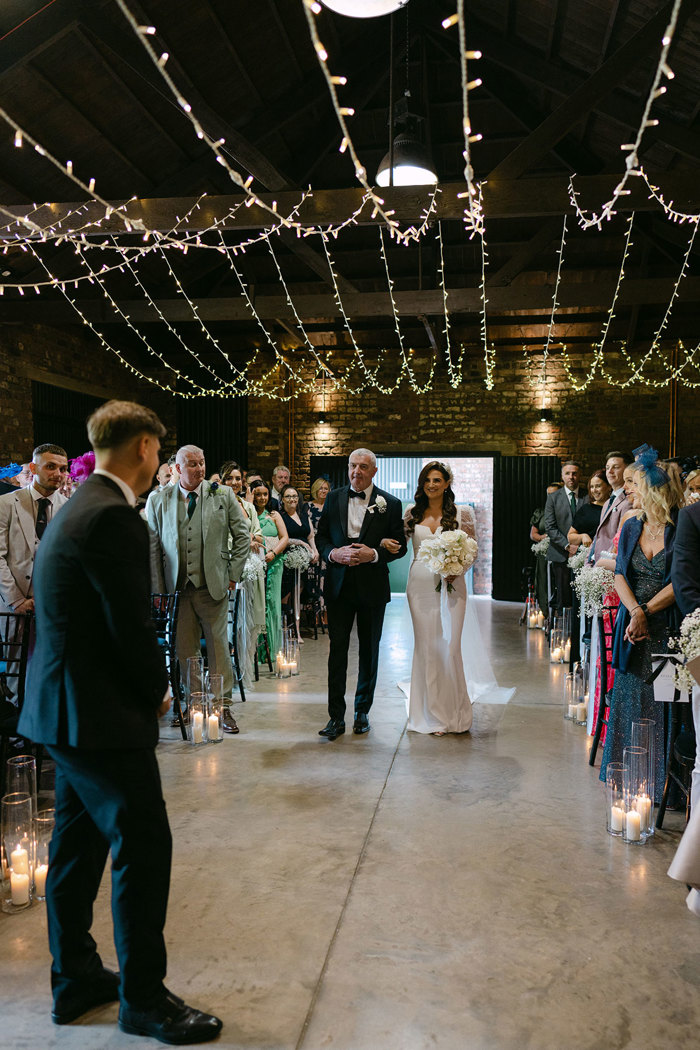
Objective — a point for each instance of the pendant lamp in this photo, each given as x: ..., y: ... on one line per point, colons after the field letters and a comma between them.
x: 364, y: 8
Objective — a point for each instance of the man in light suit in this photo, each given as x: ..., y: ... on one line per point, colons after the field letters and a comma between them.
x: 616, y: 507
x: 24, y: 515
x: 204, y: 542
x: 559, y: 513
x: 355, y: 520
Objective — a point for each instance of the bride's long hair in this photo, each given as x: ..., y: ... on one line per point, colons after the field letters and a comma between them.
x: 449, y: 509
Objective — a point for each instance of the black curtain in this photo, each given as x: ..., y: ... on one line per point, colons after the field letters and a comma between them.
x: 334, y: 468
x: 60, y: 416
x: 217, y: 425
x: 519, y: 486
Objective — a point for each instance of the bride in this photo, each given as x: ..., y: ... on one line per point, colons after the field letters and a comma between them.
x: 439, y: 697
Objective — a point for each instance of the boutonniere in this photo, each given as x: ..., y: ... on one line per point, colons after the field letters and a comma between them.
x: 379, y: 505
x: 213, y: 487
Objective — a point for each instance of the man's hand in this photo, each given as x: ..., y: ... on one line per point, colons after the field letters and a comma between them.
x: 165, y: 706
x: 361, y: 554
x: 343, y: 555
x: 572, y: 548
x: 26, y: 606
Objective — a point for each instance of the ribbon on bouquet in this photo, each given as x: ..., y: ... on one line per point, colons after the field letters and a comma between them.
x: 297, y: 598
x: 445, y: 617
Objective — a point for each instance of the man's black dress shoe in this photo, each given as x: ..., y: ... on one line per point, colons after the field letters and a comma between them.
x: 175, y: 721
x: 229, y: 722
x: 171, y: 1021
x: 332, y: 730
x: 361, y: 724
x: 70, y: 1005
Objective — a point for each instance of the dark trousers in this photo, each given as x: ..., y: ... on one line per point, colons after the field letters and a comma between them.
x: 342, y: 612
x: 109, y: 800
x: 561, y: 574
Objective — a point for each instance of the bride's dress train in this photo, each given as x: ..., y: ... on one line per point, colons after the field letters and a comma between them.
x: 450, y: 666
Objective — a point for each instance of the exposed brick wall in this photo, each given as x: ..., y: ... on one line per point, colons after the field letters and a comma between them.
x: 63, y: 357
x: 470, y: 419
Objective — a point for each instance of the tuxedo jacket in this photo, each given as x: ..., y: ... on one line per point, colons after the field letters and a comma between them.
x: 371, y: 579
x: 222, y: 520
x: 97, y: 675
x: 685, y: 573
x: 18, y: 545
x: 609, y: 524
x: 557, y: 522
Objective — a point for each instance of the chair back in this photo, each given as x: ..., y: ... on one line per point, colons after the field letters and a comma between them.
x: 15, y: 634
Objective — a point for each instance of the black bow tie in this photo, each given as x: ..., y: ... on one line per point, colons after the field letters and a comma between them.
x: 356, y: 495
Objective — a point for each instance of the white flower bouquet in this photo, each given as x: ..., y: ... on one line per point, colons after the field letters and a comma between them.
x: 688, y: 645
x: 578, y: 560
x: 593, y: 584
x: 297, y: 557
x: 448, y: 554
x: 254, y: 569
x: 541, y: 547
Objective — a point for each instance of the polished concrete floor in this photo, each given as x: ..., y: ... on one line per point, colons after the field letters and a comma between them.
x: 396, y: 891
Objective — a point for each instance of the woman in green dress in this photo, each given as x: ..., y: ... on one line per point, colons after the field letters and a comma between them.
x: 276, y: 539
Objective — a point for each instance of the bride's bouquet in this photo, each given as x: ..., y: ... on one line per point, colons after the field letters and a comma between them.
x: 448, y: 554
x: 688, y: 645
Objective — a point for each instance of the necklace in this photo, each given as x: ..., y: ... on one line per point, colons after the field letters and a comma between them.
x: 654, y: 532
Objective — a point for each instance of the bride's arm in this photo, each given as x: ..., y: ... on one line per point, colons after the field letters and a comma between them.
x: 392, y: 545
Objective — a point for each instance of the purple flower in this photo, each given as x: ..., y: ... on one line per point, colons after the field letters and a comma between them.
x: 82, y: 467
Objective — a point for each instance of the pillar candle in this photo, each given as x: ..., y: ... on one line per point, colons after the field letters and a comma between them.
x: 197, y: 727
x: 633, y: 826
x: 572, y: 710
x: 19, y: 884
x: 540, y: 619
x: 643, y: 806
x: 617, y: 818
x: 19, y: 861
x: 581, y: 712
x: 40, y: 873
x: 213, y: 727
x: 556, y: 655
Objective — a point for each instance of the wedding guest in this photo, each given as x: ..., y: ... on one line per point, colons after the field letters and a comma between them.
x: 647, y: 612
x: 691, y: 490
x: 8, y: 477
x: 617, y: 504
x: 24, y: 516
x: 301, y: 533
x: 280, y: 478
x: 559, y: 513
x: 276, y: 541
x: 319, y: 491
x: 686, y: 586
x: 25, y: 476
x: 587, y: 517
x: 252, y: 477
x: 163, y: 475
x: 537, y: 534
x: 97, y: 685
x: 194, y: 521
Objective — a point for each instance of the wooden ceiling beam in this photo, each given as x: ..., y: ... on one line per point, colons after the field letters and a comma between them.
x: 503, y: 199
x: 36, y: 34
x: 319, y: 307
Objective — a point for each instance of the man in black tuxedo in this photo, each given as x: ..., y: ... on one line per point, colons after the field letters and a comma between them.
x: 96, y: 687
x: 685, y: 577
x: 353, y: 524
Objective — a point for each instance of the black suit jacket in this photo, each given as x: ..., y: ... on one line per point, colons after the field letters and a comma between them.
x: 685, y: 571
x: 97, y: 675
x: 372, y: 578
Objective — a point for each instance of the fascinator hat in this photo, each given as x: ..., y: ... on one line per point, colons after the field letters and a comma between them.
x: 647, y: 459
x: 10, y: 471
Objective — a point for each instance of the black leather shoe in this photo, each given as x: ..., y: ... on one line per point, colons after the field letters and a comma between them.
x: 71, y: 1005
x: 332, y: 730
x: 171, y: 1021
x: 229, y: 722
x: 175, y: 721
x: 361, y: 724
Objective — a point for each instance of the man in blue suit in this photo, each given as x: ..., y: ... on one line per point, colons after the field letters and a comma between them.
x: 355, y: 519
x: 97, y: 685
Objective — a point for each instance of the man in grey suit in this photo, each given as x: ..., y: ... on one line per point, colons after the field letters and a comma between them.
x: 204, y: 542
x: 559, y: 513
x: 24, y: 514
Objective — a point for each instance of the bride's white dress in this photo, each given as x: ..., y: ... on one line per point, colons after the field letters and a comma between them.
x: 439, y: 696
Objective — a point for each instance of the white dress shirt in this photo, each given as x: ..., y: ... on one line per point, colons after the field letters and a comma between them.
x: 357, y: 508
x: 126, y: 489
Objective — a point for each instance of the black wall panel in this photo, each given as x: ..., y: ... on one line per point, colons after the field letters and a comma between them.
x: 519, y: 486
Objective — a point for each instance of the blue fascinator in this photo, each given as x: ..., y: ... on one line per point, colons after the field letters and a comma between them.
x: 10, y: 471
x: 647, y: 459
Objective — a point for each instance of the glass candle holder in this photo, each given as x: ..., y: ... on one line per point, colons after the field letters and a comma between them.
x: 16, y: 848
x: 540, y: 619
x: 635, y: 761
x: 21, y: 776
x: 569, y: 701
x: 615, y: 799
x: 214, y: 728
x: 642, y: 735
x: 43, y: 830
x: 196, y: 728
x: 531, y: 612
x: 196, y: 675
x: 556, y: 641
x: 292, y: 656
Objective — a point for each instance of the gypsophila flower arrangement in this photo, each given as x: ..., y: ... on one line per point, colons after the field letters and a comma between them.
x: 688, y: 645
x: 297, y: 557
x: 593, y: 584
x: 378, y: 505
x: 541, y: 547
x: 578, y: 560
x: 448, y: 554
x: 254, y: 569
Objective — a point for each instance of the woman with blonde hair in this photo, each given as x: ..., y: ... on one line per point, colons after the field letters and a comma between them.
x: 648, y: 613
x: 691, y: 489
